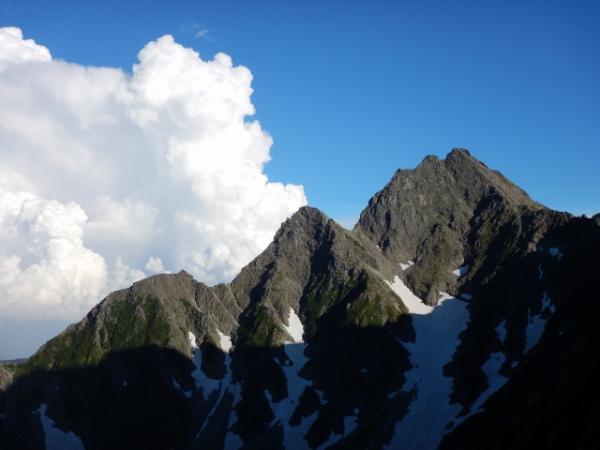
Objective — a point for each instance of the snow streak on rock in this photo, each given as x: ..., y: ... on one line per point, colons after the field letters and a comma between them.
x: 232, y: 440
x: 294, y: 327
x: 536, y: 323
x: 495, y: 381
x: 203, y: 382
x: 501, y: 331
x: 407, y: 264
x: 534, y: 331
x: 283, y: 410
x: 221, y: 387
x: 224, y: 342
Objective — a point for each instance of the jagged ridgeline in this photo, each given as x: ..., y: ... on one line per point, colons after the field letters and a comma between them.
x: 457, y: 314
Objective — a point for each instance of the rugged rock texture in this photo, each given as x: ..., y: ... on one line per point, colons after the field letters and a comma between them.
x: 159, y: 310
x: 312, y: 265
x: 427, y: 215
x: 318, y: 342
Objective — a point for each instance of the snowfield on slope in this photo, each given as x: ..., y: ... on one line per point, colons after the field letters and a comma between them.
x: 414, y: 304
x: 437, y: 330
x: 55, y: 438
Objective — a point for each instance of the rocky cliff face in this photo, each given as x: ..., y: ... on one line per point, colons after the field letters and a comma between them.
x: 437, y: 321
x: 432, y: 215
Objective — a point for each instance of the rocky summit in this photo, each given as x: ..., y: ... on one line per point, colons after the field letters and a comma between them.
x: 457, y: 314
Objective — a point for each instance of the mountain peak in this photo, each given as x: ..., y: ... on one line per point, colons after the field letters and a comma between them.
x: 308, y: 213
x: 426, y: 213
x: 456, y: 155
x: 305, y: 221
x: 429, y: 159
x: 458, y: 152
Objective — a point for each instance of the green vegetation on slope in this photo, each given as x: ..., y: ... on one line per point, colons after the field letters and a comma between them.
x: 129, y: 323
x: 376, y: 304
x: 260, y: 330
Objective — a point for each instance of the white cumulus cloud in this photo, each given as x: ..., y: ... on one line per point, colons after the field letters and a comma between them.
x: 154, y: 265
x: 44, y: 266
x: 107, y: 176
x: 15, y: 49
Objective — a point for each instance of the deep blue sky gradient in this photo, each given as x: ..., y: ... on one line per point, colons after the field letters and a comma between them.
x: 351, y: 91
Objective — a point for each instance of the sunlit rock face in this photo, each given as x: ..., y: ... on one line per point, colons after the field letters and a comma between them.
x: 457, y: 314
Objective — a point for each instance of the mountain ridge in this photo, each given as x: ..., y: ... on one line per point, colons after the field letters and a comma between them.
x: 313, y: 343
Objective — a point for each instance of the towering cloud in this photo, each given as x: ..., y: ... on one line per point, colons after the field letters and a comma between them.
x: 106, y: 176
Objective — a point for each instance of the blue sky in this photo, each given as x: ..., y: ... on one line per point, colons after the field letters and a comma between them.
x: 350, y: 91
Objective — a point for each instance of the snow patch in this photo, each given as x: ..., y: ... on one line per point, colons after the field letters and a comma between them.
x: 536, y: 324
x: 414, y: 304
x: 407, y: 264
x: 462, y: 270
x: 534, y: 331
x: 210, y: 385
x: 555, y: 252
x: 501, y: 331
x: 224, y: 342
x: 491, y: 368
x: 437, y: 337
x: 294, y: 328
x: 547, y: 303
x: 293, y: 436
x: 203, y: 382
x: 55, y: 438
x: 495, y: 380
x: 225, y: 385
x: 540, y: 272
x: 192, y: 339
x: 466, y: 296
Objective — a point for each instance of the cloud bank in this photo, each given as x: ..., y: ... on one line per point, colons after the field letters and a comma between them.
x: 107, y: 177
